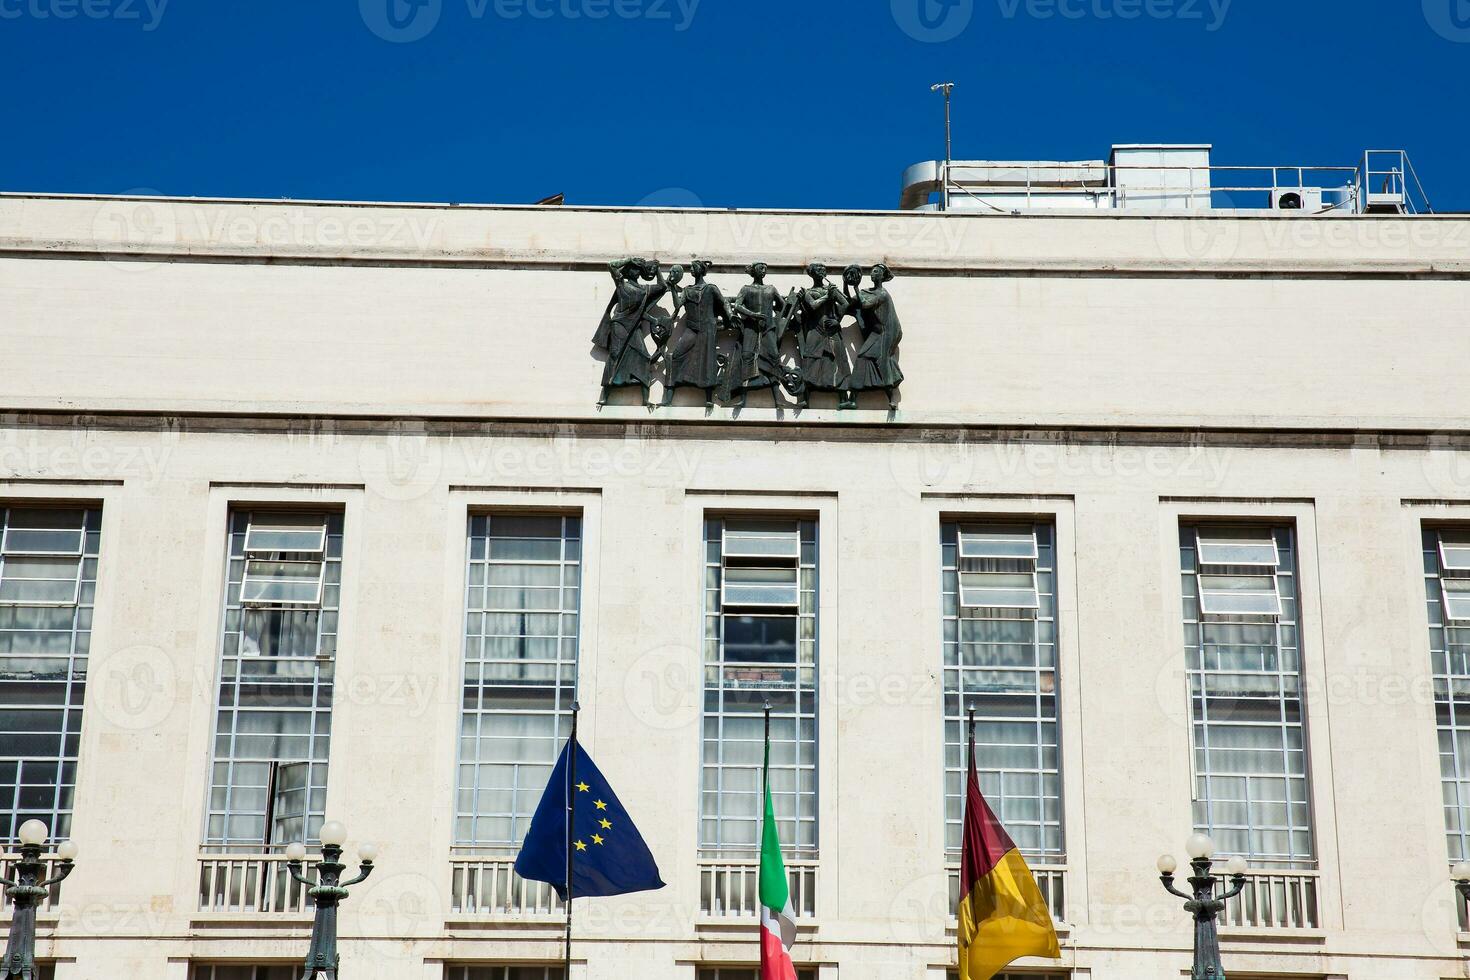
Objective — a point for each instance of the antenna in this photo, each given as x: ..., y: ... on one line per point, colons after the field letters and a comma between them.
x: 947, y: 88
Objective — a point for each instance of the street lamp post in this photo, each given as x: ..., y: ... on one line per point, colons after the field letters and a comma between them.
x: 327, y: 892
x: 26, y: 892
x: 1205, y: 904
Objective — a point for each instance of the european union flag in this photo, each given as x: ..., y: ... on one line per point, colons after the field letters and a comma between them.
x: 608, y: 854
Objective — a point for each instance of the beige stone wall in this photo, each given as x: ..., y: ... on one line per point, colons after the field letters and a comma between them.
x: 1049, y: 362
x: 489, y: 313
x: 148, y: 717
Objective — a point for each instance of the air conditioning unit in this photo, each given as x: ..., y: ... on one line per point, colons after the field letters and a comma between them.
x: 1307, y: 200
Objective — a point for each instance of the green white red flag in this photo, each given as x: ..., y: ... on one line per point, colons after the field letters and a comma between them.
x: 778, y: 921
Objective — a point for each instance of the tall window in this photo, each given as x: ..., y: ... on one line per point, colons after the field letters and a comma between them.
x: 278, y: 650
x: 1447, y: 588
x: 48, y: 584
x: 1000, y: 657
x: 745, y: 973
x: 457, y: 972
x: 760, y: 645
x: 1244, y: 661
x: 524, y: 583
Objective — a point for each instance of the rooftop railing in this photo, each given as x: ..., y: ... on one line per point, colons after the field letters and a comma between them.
x: 1385, y: 182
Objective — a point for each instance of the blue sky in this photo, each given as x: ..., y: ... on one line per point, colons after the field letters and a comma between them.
x: 729, y: 103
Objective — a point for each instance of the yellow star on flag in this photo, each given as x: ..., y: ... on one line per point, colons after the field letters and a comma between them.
x: 583, y: 787
x: 581, y: 846
x: 597, y: 839
x: 606, y: 824
x: 601, y: 805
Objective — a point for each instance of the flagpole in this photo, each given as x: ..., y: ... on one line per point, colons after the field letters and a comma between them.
x: 760, y: 928
x: 571, y: 832
x: 971, y: 739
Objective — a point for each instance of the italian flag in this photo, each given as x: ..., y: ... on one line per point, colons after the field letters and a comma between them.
x: 778, y: 921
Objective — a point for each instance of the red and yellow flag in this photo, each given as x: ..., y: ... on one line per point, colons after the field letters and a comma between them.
x: 1002, y: 913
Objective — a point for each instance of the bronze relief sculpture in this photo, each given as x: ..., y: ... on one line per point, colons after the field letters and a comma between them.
x: 633, y: 316
x: 691, y: 354
x: 815, y: 339
x: 762, y: 315
x: 875, y: 366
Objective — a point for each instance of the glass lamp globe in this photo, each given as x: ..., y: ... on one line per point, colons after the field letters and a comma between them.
x: 1168, y: 865
x: 296, y: 852
x: 333, y: 834
x: 1200, y: 847
x: 1461, y: 871
x: 33, y: 832
x: 1235, y: 866
x: 367, y: 853
x: 68, y: 850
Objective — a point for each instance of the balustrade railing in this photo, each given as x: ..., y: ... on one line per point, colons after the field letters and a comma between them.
x: 257, y: 884
x: 731, y: 888
x: 480, y: 885
x: 1276, y: 900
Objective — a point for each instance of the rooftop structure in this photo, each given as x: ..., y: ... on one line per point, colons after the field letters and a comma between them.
x: 1166, y: 177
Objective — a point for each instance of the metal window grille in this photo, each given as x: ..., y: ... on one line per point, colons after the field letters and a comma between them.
x: 454, y: 971
x: 241, y: 971
x: 760, y: 644
x: 1251, y: 787
x: 268, y: 781
x: 1003, y: 661
x: 1449, y: 653
x: 48, y: 586
x: 523, y: 594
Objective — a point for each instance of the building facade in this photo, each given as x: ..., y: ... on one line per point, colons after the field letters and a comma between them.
x: 310, y: 513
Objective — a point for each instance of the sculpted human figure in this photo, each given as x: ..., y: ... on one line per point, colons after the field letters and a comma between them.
x: 820, y: 308
x: 633, y: 315
x: 691, y: 354
x: 876, y: 363
x: 761, y: 315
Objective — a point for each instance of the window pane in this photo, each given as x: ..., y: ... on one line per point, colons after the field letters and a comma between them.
x: 273, y: 724
x: 1248, y: 728
x: 523, y: 576
x: 286, y: 532
x: 1237, y: 546
x: 44, y: 641
x: 751, y: 659
x: 1000, y: 658
x: 280, y: 582
x: 996, y: 541
x: 998, y: 590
